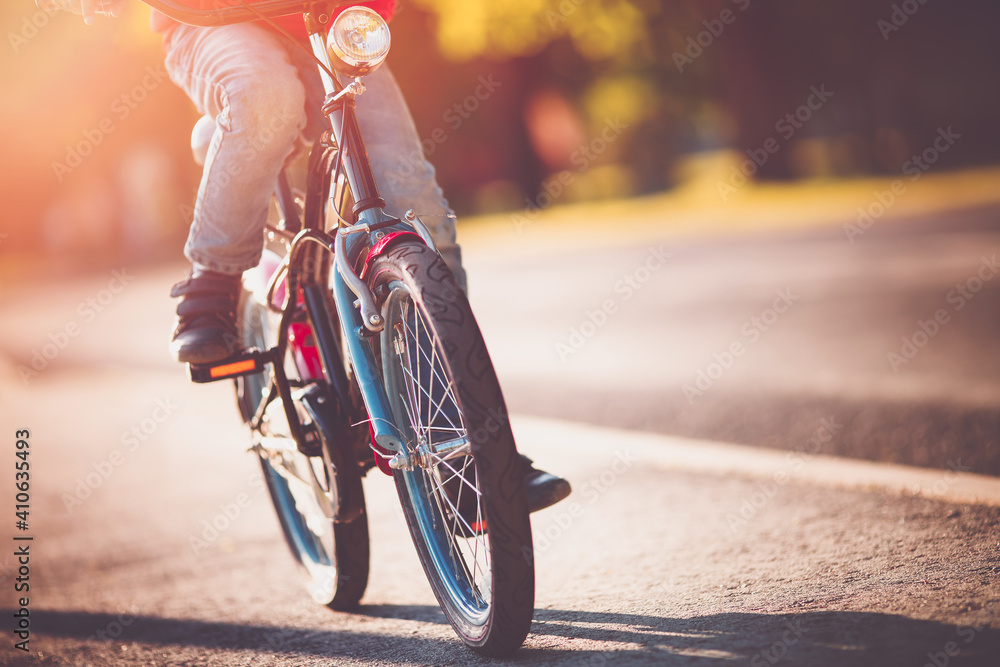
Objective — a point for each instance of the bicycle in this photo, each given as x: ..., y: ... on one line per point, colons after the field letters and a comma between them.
x: 373, y: 359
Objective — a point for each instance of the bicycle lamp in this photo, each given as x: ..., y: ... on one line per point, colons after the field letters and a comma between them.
x: 358, y: 42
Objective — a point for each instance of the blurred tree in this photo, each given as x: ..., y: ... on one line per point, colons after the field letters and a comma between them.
x: 500, y: 29
x: 695, y: 75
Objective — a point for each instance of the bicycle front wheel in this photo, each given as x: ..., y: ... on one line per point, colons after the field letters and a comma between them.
x: 463, y: 497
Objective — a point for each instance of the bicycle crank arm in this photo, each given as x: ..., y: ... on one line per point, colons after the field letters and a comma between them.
x: 348, y: 501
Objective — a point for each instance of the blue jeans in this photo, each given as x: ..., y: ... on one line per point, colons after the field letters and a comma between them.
x: 266, y: 96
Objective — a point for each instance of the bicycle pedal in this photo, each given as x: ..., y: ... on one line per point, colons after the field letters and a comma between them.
x: 246, y: 362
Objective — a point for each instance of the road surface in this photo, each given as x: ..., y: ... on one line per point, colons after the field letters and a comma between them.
x: 154, y: 542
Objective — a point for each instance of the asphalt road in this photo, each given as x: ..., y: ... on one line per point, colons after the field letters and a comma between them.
x: 818, y: 323
x: 645, y: 564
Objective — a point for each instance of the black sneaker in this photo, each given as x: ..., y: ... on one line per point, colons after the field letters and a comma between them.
x: 544, y: 489
x: 206, y: 317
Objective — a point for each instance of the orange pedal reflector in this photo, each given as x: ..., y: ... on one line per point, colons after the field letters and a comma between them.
x: 233, y: 368
x: 244, y: 363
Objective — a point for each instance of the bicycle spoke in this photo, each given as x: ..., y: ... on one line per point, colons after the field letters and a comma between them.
x: 412, y: 335
x: 475, y: 559
x: 459, y: 475
x: 430, y: 399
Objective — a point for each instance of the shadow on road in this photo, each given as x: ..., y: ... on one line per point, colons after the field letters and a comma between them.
x: 814, y: 638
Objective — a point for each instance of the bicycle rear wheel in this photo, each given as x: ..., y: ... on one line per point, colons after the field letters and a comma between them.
x: 464, y: 499
x: 303, y: 489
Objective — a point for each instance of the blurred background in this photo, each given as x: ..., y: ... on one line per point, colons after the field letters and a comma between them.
x: 96, y: 166
x: 697, y: 232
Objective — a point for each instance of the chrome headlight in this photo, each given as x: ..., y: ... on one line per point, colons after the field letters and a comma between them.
x: 358, y: 42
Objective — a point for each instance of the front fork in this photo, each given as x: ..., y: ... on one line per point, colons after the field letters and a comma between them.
x: 357, y: 309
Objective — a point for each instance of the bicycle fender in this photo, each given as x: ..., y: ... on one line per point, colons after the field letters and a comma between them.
x: 382, y: 245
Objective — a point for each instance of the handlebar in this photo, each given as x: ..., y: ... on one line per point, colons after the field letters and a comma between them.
x: 225, y: 12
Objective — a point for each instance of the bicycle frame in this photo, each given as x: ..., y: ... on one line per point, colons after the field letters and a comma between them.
x: 369, y: 233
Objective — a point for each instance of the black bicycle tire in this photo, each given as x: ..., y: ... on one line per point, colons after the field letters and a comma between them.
x: 433, y: 289
x: 351, y: 539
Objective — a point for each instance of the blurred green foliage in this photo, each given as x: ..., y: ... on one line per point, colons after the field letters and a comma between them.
x: 514, y: 28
